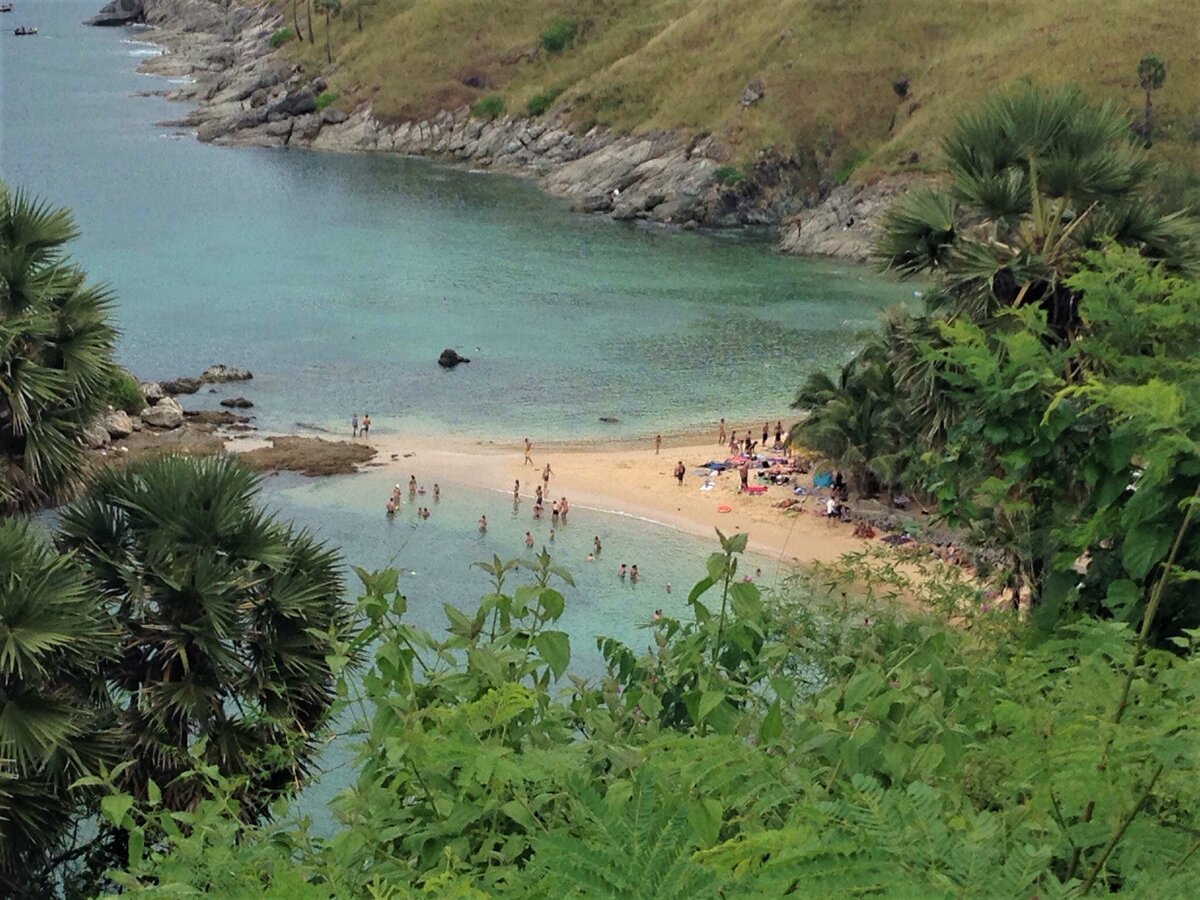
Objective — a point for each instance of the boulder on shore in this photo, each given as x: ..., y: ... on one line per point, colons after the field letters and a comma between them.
x: 181, y: 386
x: 450, y: 358
x: 237, y: 403
x: 94, y: 436
x: 219, y: 374
x: 117, y: 423
x: 152, y: 391
x: 166, y: 413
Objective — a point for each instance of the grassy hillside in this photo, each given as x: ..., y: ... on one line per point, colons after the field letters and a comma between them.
x: 828, y: 66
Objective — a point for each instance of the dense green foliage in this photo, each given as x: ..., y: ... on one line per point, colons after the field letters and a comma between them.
x: 765, y: 747
x: 559, y: 35
x: 539, y: 103
x: 489, y: 107
x: 56, y: 346
x: 123, y: 393
x: 54, y: 639
x: 179, y: 624
x: 728, y: 175
x: 328, y: 98
x: 281, y: 36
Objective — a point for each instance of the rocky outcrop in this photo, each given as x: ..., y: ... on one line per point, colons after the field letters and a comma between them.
x: 236, y: 403
x: 450, y: 358
x: 246, y: 96
x: 220, y: 374
x: 184, y: 385
x: 152, y: 391
x: 119, y: 12
x: 845, y: 224
x: 94, y: 436
x: 166, y: 413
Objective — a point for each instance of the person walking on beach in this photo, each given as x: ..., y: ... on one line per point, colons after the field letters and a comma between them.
x: 744, y: 474
x: 680, y: 471
x: 766, y: 432
x: 366, y: 424
x: 778, y: 434
x: 354, y: 425
x: 546, y: 473
x: 721, y: 433
x: 528, y: 450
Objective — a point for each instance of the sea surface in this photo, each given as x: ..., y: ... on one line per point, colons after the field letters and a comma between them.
x: 339, y: 279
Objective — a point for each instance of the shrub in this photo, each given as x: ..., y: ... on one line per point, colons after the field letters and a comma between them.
x: 539, y: 103
x: 280, y: 37
x: 560, y: 35
x: 490, y: 107
x: 325, y: 99
x: 124, y: 393
x: 728, y: 175
x: 842, y: 175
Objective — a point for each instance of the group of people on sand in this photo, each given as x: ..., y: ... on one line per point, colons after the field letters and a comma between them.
x: 395, y: 504
x: 747, y: 445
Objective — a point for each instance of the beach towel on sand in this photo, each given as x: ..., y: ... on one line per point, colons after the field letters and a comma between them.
x: 824, y: 480
x: 755, y: 489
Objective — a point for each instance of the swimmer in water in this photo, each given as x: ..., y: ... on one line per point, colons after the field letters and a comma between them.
x: 483, y: 523
x: 596, y: 542
x: 591, y: 557
x: 391, y: 508
x: 437, y: 492
x: 529, y: 540
x: 633, y: 572
x: 623, y: 571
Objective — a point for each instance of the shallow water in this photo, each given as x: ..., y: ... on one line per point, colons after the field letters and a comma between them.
x: 339, y: 279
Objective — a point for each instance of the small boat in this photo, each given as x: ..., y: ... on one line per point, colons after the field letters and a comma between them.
x: 5, y: 7
x: 25, y: 30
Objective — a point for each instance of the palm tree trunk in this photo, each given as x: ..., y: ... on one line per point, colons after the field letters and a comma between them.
x: 358, y: 13
x: 328, y: 46
x: 296, y: 18
x: 308, y: 8
x: 1146, y: 121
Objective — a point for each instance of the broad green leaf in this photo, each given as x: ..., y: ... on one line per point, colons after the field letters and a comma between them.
x: 555, y: 649
x: 709, y: 701
x: 115, y: 806
x: 772, y: 725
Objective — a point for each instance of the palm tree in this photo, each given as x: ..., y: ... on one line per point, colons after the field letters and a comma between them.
x: 1036, y: 178
x: 229, y: 617
x: 56, y: 345
x: 55, y: 724
x: 330, y: 8
x: 854, y: 421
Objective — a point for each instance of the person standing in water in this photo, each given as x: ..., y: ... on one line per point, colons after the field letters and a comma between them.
x: 529, y: 540
x: 516, y: 490
x: 437, y: 493
x: 680, y: 471
x: 354, y: 425
x: 633, y: 573
x: 482, y: 523
x: 554, y: 511
x: 528, y: 450
x: 563, y: 508
x: 596, y: 542
x: 623, y: 571
x: 657, y: 443
x: 412, y: 486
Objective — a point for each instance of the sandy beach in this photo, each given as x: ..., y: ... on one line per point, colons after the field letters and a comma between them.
x: 626, y: 478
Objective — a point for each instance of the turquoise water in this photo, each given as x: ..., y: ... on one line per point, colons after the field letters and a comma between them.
x: 339, y: 279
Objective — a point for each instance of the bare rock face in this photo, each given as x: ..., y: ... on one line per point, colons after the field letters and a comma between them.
x: 220, y: 374
x: 117, y: 423
x: 119, y: 12
x: 166, y: 414
x: 181, y: 386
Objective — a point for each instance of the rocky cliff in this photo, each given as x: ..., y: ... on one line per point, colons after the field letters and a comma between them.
x: 246, y: 94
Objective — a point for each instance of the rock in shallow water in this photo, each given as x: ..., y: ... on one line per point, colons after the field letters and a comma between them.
x: 181, y: 386
x: 237, y: 403
x: 450, y: 358
x: 221, y: 373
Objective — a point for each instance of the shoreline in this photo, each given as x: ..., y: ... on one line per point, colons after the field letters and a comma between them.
x: 618, y: 477
x: 245, y: 93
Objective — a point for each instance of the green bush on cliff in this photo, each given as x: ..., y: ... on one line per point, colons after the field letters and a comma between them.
x: 559, y: 36
x: 539, y: 103
x: 490, y: 107
x: 326, y: 99
x: 728, y: 175
x: 280, y: 37
x: 124, y: 393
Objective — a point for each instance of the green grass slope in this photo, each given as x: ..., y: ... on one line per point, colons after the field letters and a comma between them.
x: 828, y: 66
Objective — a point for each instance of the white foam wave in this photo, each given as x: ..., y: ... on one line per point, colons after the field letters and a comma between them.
x: 145, y: 52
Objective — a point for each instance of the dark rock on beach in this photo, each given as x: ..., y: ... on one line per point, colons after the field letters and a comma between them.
x: 237, y: 403
x: 450, y: 358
